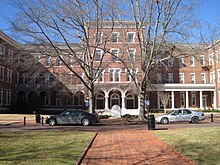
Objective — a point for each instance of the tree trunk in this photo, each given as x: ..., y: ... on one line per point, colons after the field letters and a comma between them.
x: 92, y: 98
x: 142, y: 106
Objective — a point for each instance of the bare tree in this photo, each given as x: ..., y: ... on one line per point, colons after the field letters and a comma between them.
x: 209, y: 36
x: 165, y: 96
x: 162, y: 28
x: 54, y: 26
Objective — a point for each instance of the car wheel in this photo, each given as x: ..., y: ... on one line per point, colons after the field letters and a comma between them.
x: 195, y: 119
x: 85, y: 121
x: 52, y: 122
x: 164, y: 120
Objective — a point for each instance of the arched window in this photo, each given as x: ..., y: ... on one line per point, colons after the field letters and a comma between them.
x: 130, y: 101
x: 100, y: 101
x: 115, y: 99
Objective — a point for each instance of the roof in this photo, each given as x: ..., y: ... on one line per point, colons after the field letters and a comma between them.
x: 8, y: 39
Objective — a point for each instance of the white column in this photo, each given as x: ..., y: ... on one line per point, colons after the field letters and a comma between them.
x: 123, y: 104
x: 200, y: 99
x: 158, y: 100
x: 214, y: 100
x: 106, y: 101
x: 187, y: 99
x: 139, y: 102
x: 173, y: 107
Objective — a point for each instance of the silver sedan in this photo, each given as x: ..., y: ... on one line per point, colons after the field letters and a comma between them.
x: 181, y: 115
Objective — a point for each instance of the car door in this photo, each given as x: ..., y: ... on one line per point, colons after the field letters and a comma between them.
x: 64, y: 118
x: 75, y: 117
x: 187, y: 115
x: 175, y: 116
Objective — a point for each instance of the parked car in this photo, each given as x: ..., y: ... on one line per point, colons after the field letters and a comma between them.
x: 181, y: 115
x: 73, y: 117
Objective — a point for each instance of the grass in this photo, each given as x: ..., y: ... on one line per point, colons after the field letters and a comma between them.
x: 201, y: 145
x: 42, y: 147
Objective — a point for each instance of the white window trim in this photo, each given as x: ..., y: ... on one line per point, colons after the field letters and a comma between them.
x: 132, y: 49
x: 203, y: 57
x: 113, y: 74
x: 100, y: 38
x: 48, y: 62
x: 193, y: 62
x: 182, y: 60
x: 170, y: 62
x: 193, y: 94
x: 116, y: 75
x: 194, y: 76
x: 204, y: 77
x: 100, y: 54
x: 117, y: 33
x: 169, y: 77
x: 117, y: 53
x: 183, y: 77
x: 183, y: 94
x: 133, y: 37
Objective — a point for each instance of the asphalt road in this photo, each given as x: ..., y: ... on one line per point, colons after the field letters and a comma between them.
x: 106, y: 125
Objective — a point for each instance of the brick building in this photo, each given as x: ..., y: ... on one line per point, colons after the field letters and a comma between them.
x: 8, y: 49
x: 189, y: 80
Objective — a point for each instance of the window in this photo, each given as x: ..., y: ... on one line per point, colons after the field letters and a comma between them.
x: 193, y: 97
x: 211, y: 59
x: 9, y: 75
x: 131, y: 54
x: 192, y: 61
x: 128, y: 76
x: 211, y: 77
x: 181, y: 78
x: 111, y: 75
x: 158, y: 61
x: 170, y: 62
x: 192, y: 78
x: 159, y: 78
x: 70, y: 61
x: 130, y: 37
x: 98, y: 54
x: 47, y: 61
x: 182, y: 99
x: 202, y: 60
x: 130, y: 101
x: 101, y: 76
x: 10, y: 55
x: 117, y: 76
x: 100, y: 101
x: 134, y: 73
x: 1, y: 96
x: 7, y: 97
x: 35, y: 80
x: 114, y: 37
x: 98, y: 37
x: 170, y: 77
x: 70, y: 79
x: 2, y: 51
x: 47, y: 78
x: 181, y: 61
x: 203, y: 78
x: 58, y: 61
x: 114, y: 53
x: 2, y: 70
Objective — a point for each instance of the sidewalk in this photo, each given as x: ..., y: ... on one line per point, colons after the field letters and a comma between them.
x: 131, y: 147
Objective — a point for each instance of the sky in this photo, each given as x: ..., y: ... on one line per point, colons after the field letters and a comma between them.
x: 208, y: 11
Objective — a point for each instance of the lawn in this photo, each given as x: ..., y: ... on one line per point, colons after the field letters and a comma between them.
x: 201, y: 145
x: 42, y: 147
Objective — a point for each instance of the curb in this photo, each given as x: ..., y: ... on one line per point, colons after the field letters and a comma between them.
x: 86, y: 150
